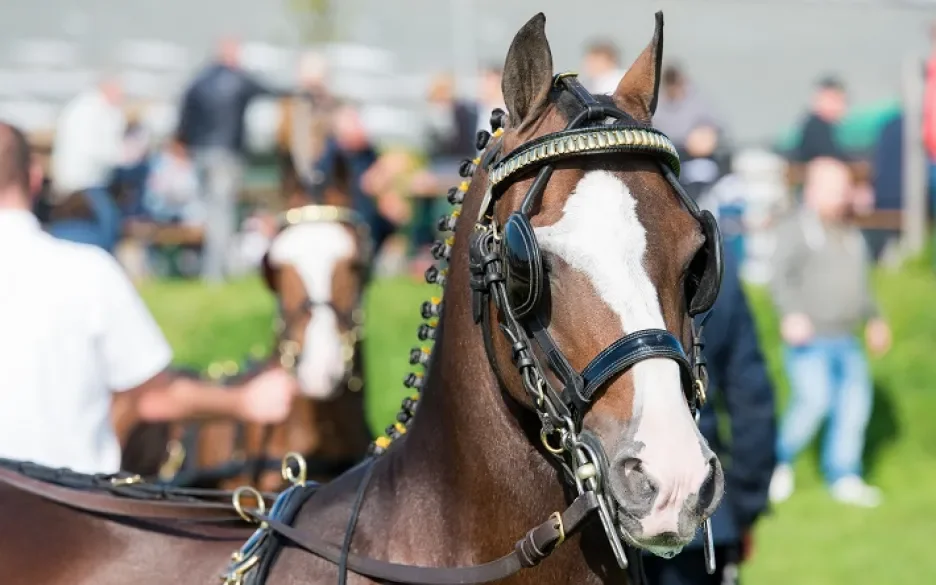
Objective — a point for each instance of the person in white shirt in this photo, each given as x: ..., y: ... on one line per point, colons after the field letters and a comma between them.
x: 75, y: 335
x: 89, y: 140
x: 89, y: 147
x: 601, y: 70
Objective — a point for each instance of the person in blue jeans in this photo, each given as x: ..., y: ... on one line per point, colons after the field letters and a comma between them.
x: 822, y: 292
x: 739, y: 381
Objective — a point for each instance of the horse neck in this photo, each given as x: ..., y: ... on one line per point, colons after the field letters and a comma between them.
x: 466, y: 439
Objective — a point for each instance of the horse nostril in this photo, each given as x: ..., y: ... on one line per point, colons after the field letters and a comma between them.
x: 711, y: 489
x: 639, y: 489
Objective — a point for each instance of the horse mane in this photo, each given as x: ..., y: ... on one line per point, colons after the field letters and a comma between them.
x: 431, y: 309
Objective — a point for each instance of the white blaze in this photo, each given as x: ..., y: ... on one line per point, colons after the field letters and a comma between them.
x: 314, y: 249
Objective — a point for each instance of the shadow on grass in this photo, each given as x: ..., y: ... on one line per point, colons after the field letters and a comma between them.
x: 883, y: 430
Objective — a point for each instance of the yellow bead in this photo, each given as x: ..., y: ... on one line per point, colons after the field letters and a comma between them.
x: 382, y: 442
x: 400, y: 428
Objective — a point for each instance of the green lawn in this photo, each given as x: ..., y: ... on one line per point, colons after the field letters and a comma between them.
x: 808, y: 540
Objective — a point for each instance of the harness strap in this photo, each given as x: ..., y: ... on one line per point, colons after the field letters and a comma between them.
x: 124, y: 507
x: 529, y: 551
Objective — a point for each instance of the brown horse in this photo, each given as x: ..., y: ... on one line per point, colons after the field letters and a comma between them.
x: 558, y: 396
x: 317, y: 268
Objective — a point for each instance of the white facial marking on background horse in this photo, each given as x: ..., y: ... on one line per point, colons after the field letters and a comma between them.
x: 314, y: 249
x: 601, y: 236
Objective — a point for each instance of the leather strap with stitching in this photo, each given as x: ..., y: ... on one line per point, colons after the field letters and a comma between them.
x: 538, y: 544
x: 117, y: 506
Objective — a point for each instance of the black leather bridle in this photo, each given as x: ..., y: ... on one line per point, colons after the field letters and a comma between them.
x: 499, y: 255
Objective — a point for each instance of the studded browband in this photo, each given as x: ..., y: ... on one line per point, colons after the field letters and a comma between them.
x: 588, y: 140
x: 326, y: 214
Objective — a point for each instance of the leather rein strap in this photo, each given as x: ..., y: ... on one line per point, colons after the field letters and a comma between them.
x: 128, y: 507
x: 529, y: 551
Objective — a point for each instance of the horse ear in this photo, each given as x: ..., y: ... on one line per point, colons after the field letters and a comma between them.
x: 639, y: 88
x: 528, y: 72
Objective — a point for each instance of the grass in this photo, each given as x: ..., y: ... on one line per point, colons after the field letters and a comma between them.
x: 809, y: 540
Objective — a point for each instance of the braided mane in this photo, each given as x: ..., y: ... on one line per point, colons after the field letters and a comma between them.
x: 435, y: 274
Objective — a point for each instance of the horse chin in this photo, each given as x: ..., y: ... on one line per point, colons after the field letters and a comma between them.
x: 664, y: 546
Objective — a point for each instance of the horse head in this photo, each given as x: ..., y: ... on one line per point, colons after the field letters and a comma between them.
x: 587, y: 263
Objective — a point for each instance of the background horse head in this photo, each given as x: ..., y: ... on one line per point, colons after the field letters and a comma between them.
x: 317, y: 267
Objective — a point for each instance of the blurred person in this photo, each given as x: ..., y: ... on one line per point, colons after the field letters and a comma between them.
x: 451, y: 131
x: 304, y: 125
x: 702, y: 160
x: 818, y: 128
x: 314, y: 78
x: 706, y: 174
x: 171, y: 191
x: 739, y: 381
x: 822, y: 292
x: 681, y: 108
x: 88, y: 149
x: 490, y: 95
x: 887, y: 177
x: 349, y: 150
x: 387, y: 180
x: 76, y: 341
x: 929, y: 118
x: 601, y: 67
x: 452, y: 122
x: 212, y: 128
x: 129, y: 180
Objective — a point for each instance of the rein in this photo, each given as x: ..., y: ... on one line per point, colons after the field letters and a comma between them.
x: 135, y: 499
x: 529, y: 551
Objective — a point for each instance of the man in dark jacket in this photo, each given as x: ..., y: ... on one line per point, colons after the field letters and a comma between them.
x: 738, y: 379
x: 887, y: 178
x: 212, y: 128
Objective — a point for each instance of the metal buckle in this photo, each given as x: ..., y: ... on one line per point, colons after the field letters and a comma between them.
x: 170, y: 468
x: 560, y: 527
x: 236, y: 574
x: 125, y: 481
x: 287, y: 472
x: 239, y: 508
x: 700, y: 392
x: 560, y: 76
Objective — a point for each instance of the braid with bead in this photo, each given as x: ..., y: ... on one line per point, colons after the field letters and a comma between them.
x: 432, y: 309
